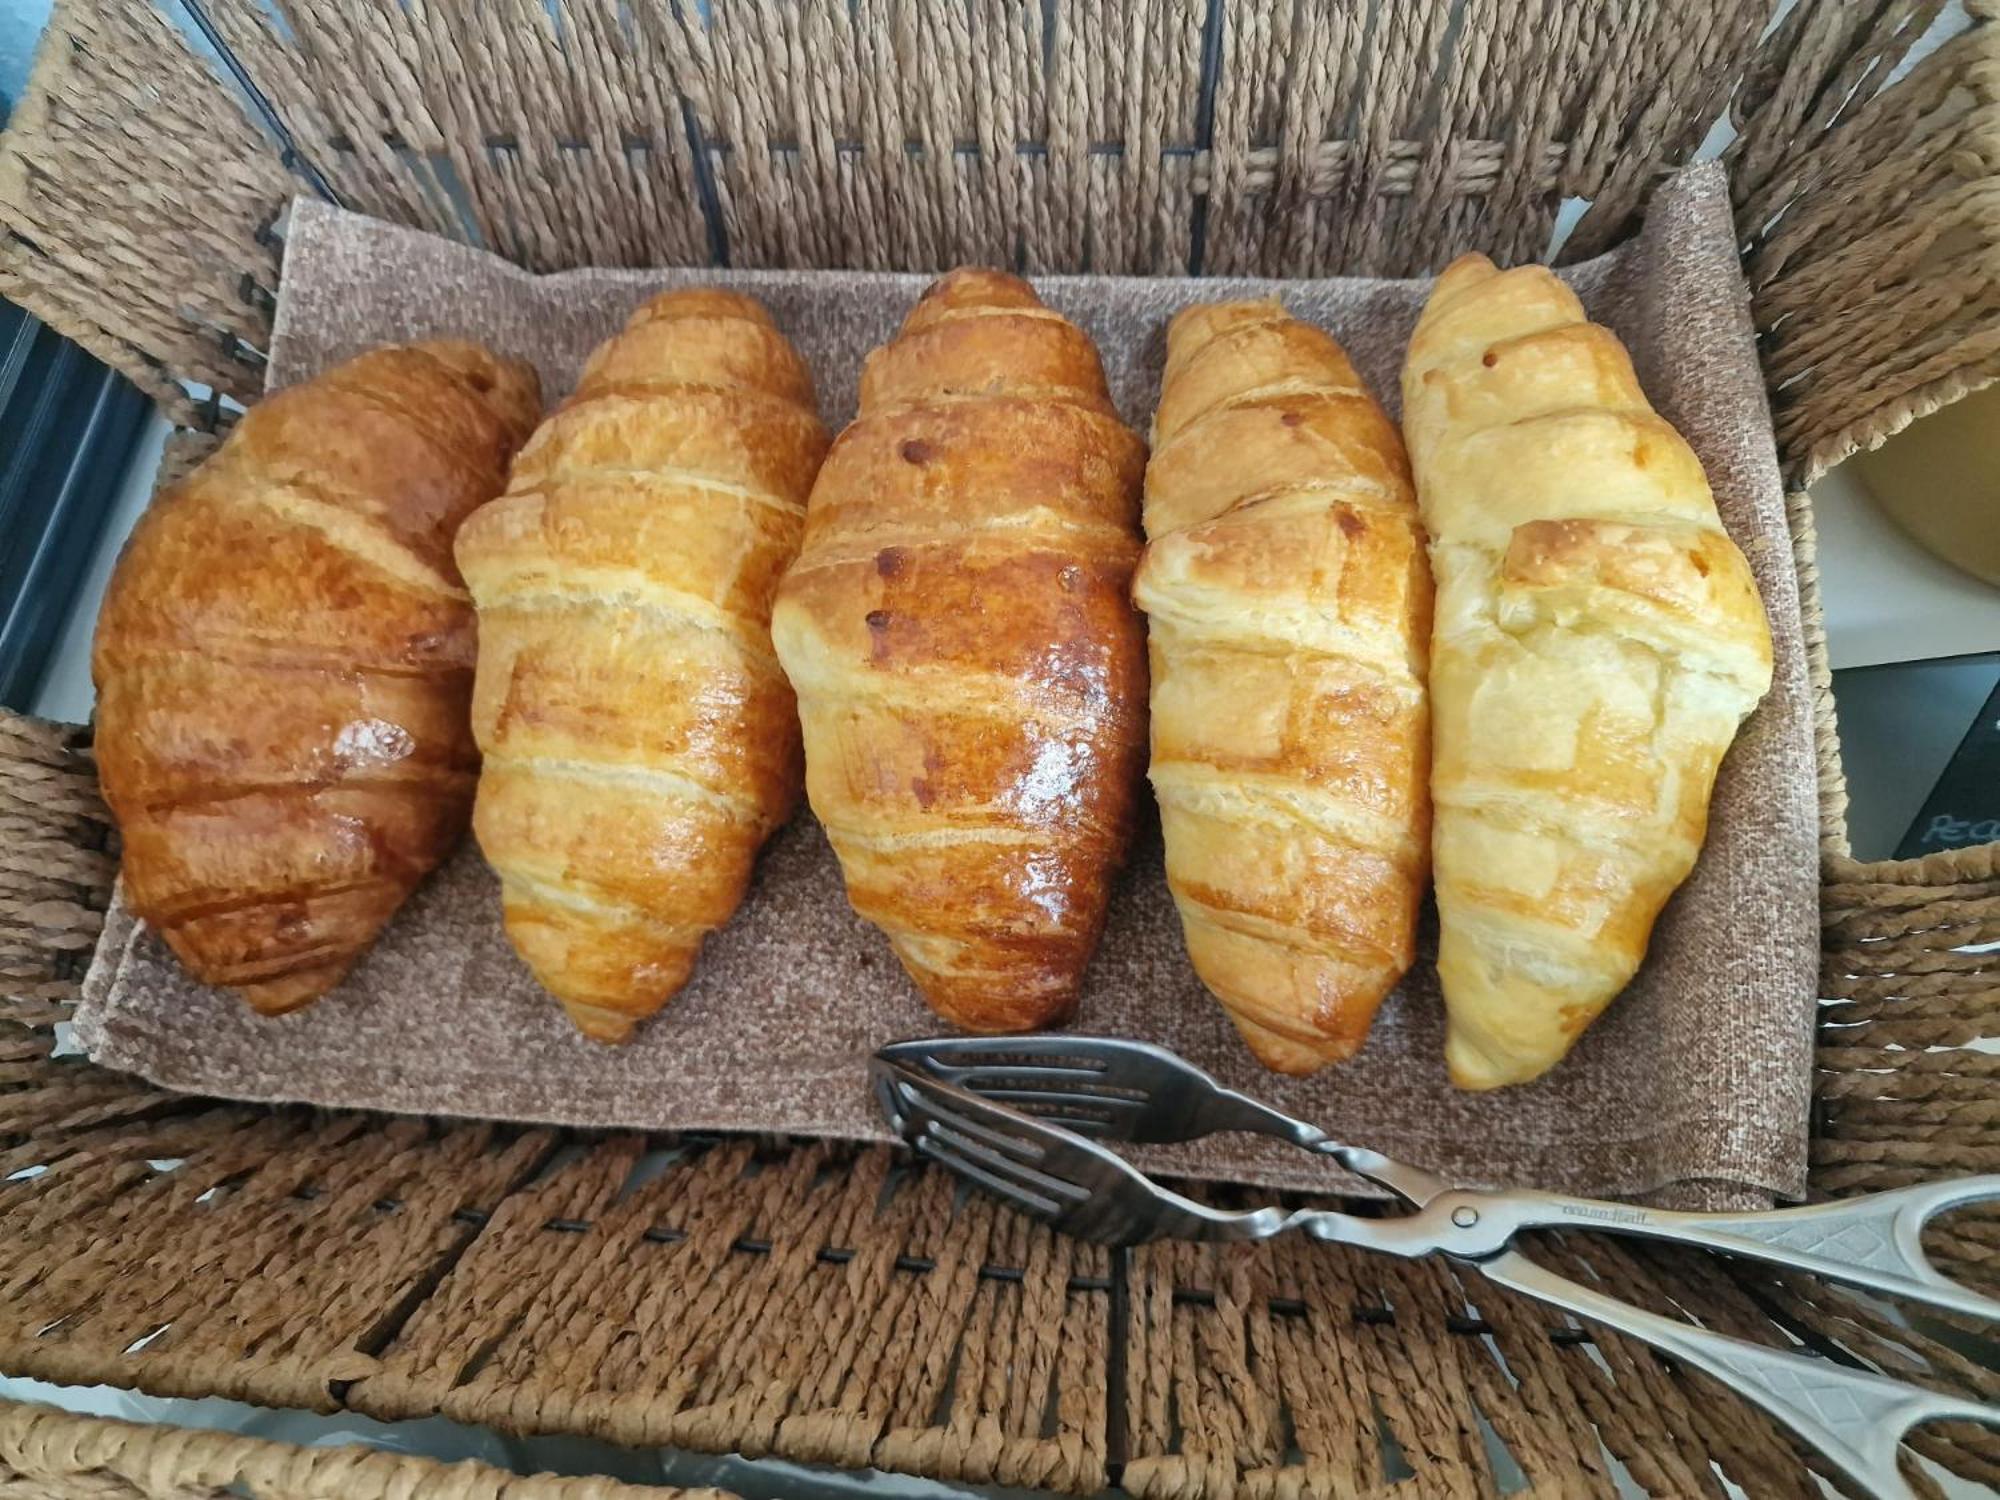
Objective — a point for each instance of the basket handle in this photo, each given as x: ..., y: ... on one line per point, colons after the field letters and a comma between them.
x: 1854, y: 1418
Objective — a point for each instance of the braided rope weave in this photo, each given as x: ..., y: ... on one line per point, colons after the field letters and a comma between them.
x: 47, y: 1454
x: 837, y: 1305
x: 140, y: 186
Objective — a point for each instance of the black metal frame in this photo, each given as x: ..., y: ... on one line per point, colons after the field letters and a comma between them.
x: 68, y: 426
x: 1964, y: 802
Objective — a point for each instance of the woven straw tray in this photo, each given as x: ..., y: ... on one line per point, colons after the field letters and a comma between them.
x: 837, y: 1304
x: 1695, y: 1087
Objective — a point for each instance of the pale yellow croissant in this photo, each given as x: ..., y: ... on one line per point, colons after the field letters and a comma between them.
x: 1289, y: 607
x: 640, y: 740
x: 1599, y: 639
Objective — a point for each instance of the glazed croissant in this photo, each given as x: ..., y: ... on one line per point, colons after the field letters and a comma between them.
x: 968, y: 666
x: 1289, y: 605
x: 284, y: 664
x: 1599, y: 640
x: 640, y: 740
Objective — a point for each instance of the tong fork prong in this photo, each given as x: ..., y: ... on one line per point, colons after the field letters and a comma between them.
x: 1038, y: 1073
x: 1117, y: 1090
x: 939, y: 1115
x: 1093, y: 1114
x: 1109, y: 1087
x: 1000, y: 1150
x: 1106, y: 1117
x: 998, y: 1173
x: 1053, y: 1173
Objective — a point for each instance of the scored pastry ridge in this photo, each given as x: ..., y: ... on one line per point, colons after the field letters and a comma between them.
x: 639, y: 736
x: 1288, y: 602
x: 967, y: 661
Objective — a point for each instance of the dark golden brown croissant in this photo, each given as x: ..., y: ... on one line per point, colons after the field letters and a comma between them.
x: 640, y: 740
x: 1599, y: 639
x: 1290, y: 608
x: 968, y: 667
x: 284, y: 667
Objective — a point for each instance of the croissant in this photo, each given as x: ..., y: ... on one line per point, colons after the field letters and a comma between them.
x: 640, y: 740
x: 284, y: 664
x: 1599, y: 640
x: 968, y: 665
x: 1289, y: 607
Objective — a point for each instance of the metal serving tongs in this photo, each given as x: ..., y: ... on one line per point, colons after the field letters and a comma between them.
x: 1016, y: 1115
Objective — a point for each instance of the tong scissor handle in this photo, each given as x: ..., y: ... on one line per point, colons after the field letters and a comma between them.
x: 1853, y: 1417
x: 1874, y: 1241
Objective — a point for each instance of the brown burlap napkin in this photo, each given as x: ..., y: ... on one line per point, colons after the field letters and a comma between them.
x: 1695, y: 1084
